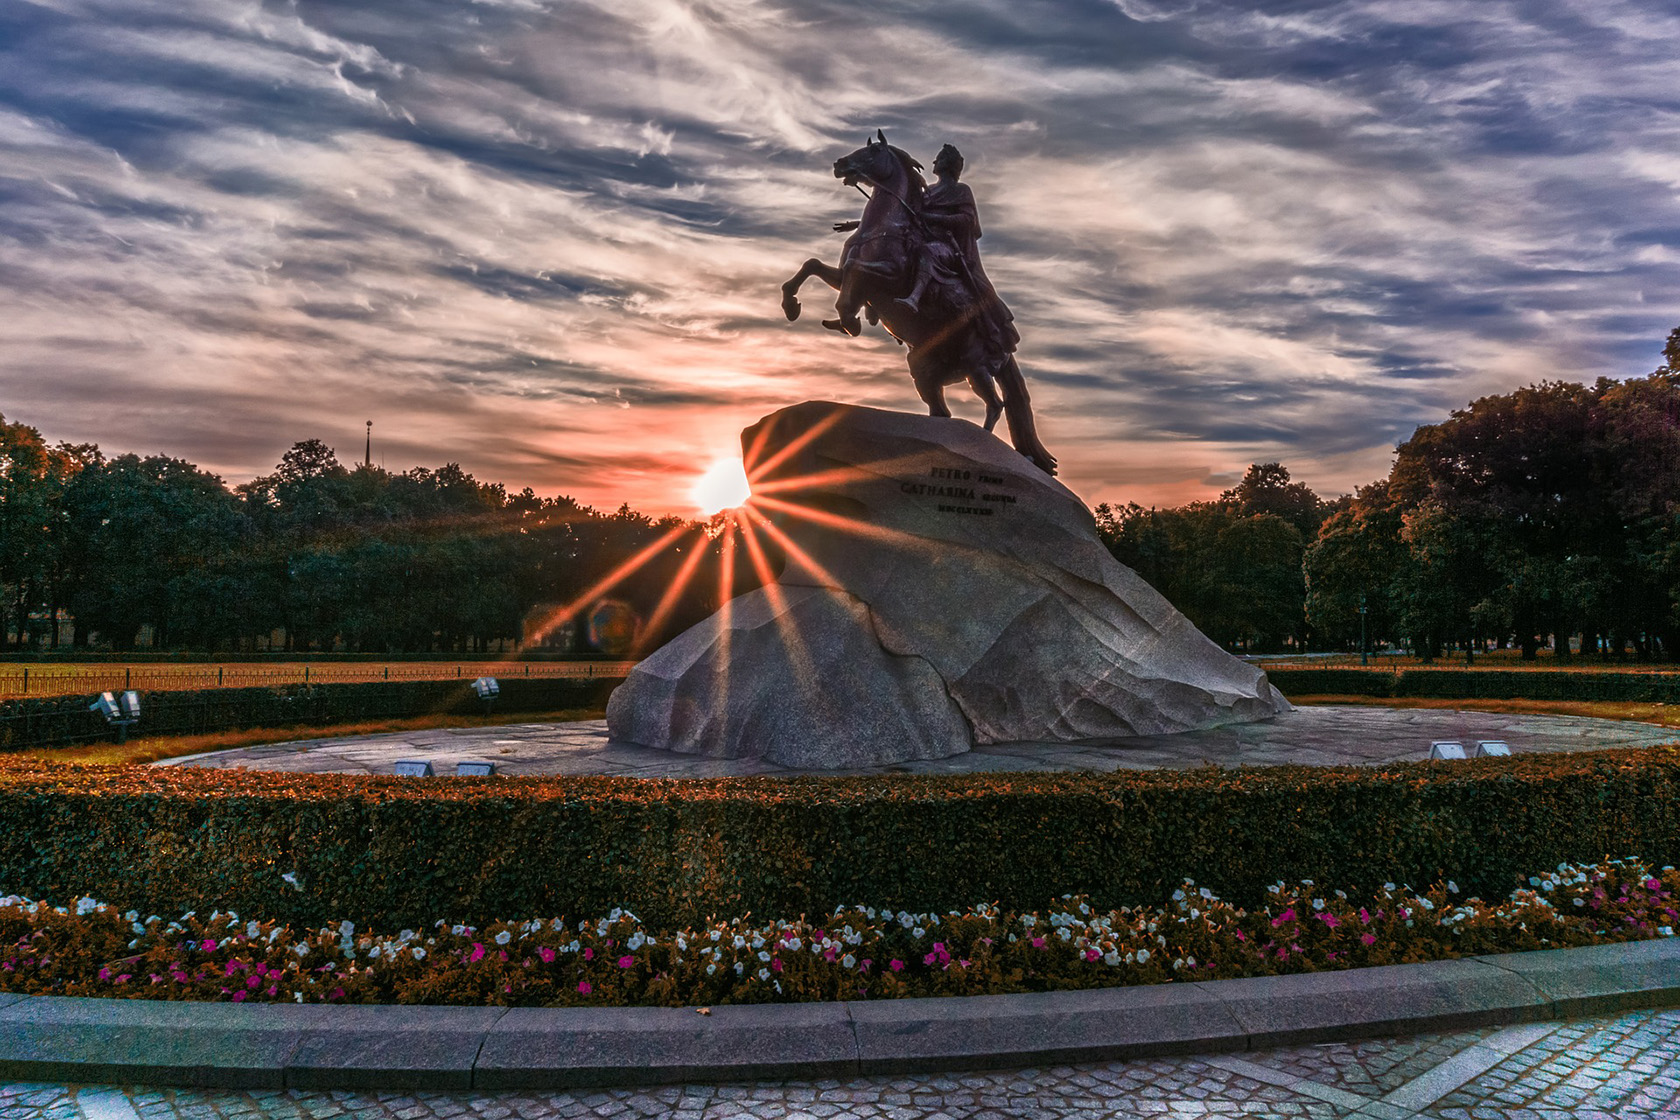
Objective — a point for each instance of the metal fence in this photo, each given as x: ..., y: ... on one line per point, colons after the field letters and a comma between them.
x: 74, y: 680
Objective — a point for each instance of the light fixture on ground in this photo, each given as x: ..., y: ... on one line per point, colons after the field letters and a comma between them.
x: 413, y: 768
x: 1492, y: 748
x: 487, y: 689
x: 1442, y: 749
x: 120, y: 714
x: 475, y: 768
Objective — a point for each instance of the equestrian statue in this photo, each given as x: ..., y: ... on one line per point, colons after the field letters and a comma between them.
x: 912, y: 264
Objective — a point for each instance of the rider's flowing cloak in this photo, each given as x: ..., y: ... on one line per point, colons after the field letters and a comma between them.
x: 949, y: 206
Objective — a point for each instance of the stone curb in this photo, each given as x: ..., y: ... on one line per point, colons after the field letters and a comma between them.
x: 53, y: 1038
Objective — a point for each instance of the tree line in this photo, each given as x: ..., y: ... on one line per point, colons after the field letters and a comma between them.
x: 329, y: 557
x: 1548, y: 517
x: 1542, y: 518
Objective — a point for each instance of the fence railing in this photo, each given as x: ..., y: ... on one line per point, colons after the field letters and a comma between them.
x: 73, y: 680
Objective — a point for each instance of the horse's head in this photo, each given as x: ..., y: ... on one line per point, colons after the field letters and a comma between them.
x: 878, y: 163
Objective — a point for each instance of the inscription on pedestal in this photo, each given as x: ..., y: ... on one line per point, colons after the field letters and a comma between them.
x: 967, y: 492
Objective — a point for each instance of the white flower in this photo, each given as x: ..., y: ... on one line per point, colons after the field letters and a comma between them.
x: 503, y: 937
x: 1580, y: 902
x: 1666, y: 931
x: 419, y: 953
x: 848, y: 961
x: 917, y: 932
x: 1452, y: 886
x: 739, y: 968
x: 290, y: 878
x: 636, y: 941
x: 252, y: 929
x: 715, y: 934
x: 301, y: 950
x: 793, y: 943
x: 1143, y: 956
x: 764, y: 974
x: 85, y: 906
x: 764, y: 956
x: 131, y: 916
x: 711, y: 968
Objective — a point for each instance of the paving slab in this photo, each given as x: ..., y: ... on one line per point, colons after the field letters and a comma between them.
x: 128, y: 1040
x: 568, y: 1047
x: 1312, y: 736
x: 1389, y: 999
x: 1042, y: 1028
x: 391, y: 1047
x: 1600, y: 979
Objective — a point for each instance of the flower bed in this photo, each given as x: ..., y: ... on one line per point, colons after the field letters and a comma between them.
x: 393, y: 852
x: 89, y: 949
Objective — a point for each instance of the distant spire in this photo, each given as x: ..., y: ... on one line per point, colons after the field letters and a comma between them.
x: 367, y: 456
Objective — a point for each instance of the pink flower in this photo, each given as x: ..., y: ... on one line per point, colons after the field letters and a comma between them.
x: 930, y: 958
x: 775, y: 964
x: 583, y: 986
x: 896, y: 965
x: 477, y: 953
x: 1329, y: 919
x: 626, y: 962
x: 1287, y: 916
x: 546, y: 954
x: 239, y: 996
x: 1038, y: 943
x: 589, y: 954
x: 1368, y: 938
x: 1092, y: 955
x: 863, y: 965
x: 208, y: 945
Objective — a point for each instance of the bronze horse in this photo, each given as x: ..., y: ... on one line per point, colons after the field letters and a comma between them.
x: 947, y: 334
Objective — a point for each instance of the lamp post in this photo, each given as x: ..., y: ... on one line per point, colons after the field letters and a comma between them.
x: 1364, y: 650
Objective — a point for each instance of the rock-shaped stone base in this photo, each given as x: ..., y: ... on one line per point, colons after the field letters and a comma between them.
x: 939, y: 591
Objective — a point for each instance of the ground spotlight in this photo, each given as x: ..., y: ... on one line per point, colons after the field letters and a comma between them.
x: 413, y: 768
x: 121, y: 715
x: 1492, y: 748
x: 475, y: 768
x: 1445, y: 749
x: 487, y: 689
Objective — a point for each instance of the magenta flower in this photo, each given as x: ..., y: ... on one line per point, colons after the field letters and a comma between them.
x: 477, y: 953
x: 583, y: 986
x: 626, y: 962
x: 1368, y: 938
x: 546, y: 954
x: 208, y: 945
x: 897, y: 965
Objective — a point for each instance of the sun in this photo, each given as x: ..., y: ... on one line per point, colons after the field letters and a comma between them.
x: 722, y: 486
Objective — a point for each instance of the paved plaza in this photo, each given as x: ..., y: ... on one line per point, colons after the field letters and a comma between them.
x: 1318, y: 736
x: 1624, y: 1067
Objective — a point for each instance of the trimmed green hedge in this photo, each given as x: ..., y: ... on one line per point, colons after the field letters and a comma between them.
x: 401, y: 852
x: 1482, y: 684
x: 65, y: 720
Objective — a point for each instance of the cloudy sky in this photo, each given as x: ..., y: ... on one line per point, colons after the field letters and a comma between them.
x: 544, y: 239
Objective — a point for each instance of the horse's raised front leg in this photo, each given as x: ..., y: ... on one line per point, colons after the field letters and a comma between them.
x: 812, y: 267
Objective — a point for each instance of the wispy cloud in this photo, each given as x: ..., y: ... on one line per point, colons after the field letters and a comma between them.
x: 544, y: 239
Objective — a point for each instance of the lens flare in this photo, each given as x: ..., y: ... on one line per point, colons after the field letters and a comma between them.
x: 723, y: 485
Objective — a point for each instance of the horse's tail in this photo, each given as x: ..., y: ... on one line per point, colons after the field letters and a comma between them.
x: 1017, y: 409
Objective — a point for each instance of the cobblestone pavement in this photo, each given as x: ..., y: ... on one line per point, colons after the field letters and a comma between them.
x: 1330, y: 734
x: 1624, y: 1067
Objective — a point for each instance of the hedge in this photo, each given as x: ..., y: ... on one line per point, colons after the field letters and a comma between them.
x: 394, y: 851
x: 1482, y: 684
x: 64, y: 720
